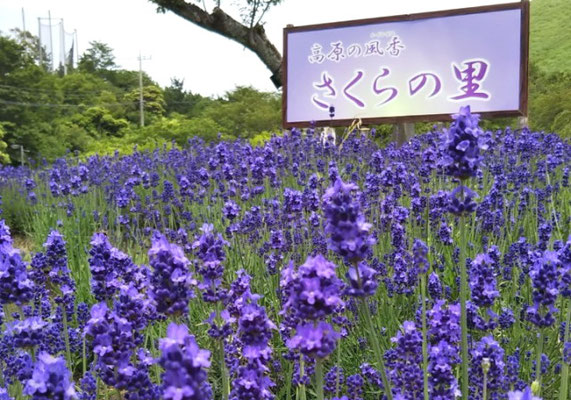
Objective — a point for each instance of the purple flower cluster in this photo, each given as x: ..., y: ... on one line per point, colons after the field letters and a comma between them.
x: 487, y: 354
x: 345, y: 226
x: 15, y: 286
x: 104, y: 279
x: 461, y: 145
x: 254, y: 333
x: 273, y: 203
x: 51, y: 380
x: 113, y: 342
x: 404, y: 362
x: 312, y: 293
x: 184, y: 364
x: 209, y: 248
x: 544, y: 276
x: 482, y: 281
x: 171, y: 282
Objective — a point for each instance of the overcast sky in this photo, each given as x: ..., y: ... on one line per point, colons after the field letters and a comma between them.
x: 209, y: 64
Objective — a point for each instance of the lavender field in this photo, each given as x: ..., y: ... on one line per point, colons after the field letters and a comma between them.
x: 294, y: 270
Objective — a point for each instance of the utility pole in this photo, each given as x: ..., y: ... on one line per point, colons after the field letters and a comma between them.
x: 141, y: 101
x: 23, y: 20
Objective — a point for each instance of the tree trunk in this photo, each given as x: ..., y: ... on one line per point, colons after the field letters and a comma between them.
x: 219, y: 22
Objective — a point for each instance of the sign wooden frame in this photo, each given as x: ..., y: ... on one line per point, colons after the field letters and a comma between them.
x: 524, y: 57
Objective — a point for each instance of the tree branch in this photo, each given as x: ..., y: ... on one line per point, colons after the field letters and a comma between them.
x: 218, y: 21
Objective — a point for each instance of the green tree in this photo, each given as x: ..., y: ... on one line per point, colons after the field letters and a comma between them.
x: 4, y: 158
x: 97, y: 58
x: 153, y: 102
x: 179, y: 101
x: 245, y: 112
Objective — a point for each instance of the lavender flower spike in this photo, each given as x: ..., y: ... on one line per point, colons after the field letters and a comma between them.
x: 51, y: 380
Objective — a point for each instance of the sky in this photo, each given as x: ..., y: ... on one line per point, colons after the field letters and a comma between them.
x: 209, y: 63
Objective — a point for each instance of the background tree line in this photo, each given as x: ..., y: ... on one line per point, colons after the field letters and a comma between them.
x: 95, y: 107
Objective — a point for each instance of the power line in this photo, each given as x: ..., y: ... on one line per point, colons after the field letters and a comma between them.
x: 17, y: 103
x: 50, y: 91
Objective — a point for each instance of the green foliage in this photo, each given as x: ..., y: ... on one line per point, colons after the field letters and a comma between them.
x: 550, y: 101
x: 4, y: 158
x: 100, y: 122
x: 153, y: 102
x: 550, y: 36
x: 96, y: 106
x: 179, y: 101
x: 99, y: 57
x: 261, y: 138
x: 244, y: 112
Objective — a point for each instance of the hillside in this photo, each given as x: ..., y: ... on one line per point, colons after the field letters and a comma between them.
x: 550, y: 46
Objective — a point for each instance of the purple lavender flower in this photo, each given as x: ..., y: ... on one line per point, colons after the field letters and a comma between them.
x: 463, y: 204
x: 444, y: 323
x: 544, y: 276
x: 255, y: 331
x: 315, y: 340
x: 371, y: 375
x: 4, y: 395
x: 363, y: 280
x: 184, y: 363
x: 334, y: 378
x: 404, y: 362
x: 251, y: 383
x: 210, y: 250
x: 56, y: 256
x: 231, y: 210
x: 113, y: 342
x: 209, y: 247
x: 27, y: 333
x: 482, y: 281
x: 526, y: 394
x: 171, y: 281
x: 51, y: 380
x: 355, y: 386
x: 420, y: 256
x: 345, y: 224
x: 104, y: 282
x: 434, y: 286
x: 461, y: 145
x: 314, y: 289
x: 5, y: 237
x: 15, y: 287
x: 506, y: 318
x: 88, y: 386
x: 442, y: 359
x: 488, y: 349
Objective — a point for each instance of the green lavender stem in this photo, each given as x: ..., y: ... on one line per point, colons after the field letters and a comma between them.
x: 319, y: 379
x: 224, y: 373
x: 463, y: 313
x: 66, y: 338
x: 337, y: 383
x: 563, y: 390
x: 485, y: 387
x: 424, y: 335
x: 538, y: 360
x: 376, y: 348
x: 84, y: 355
x: 302, y: 395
